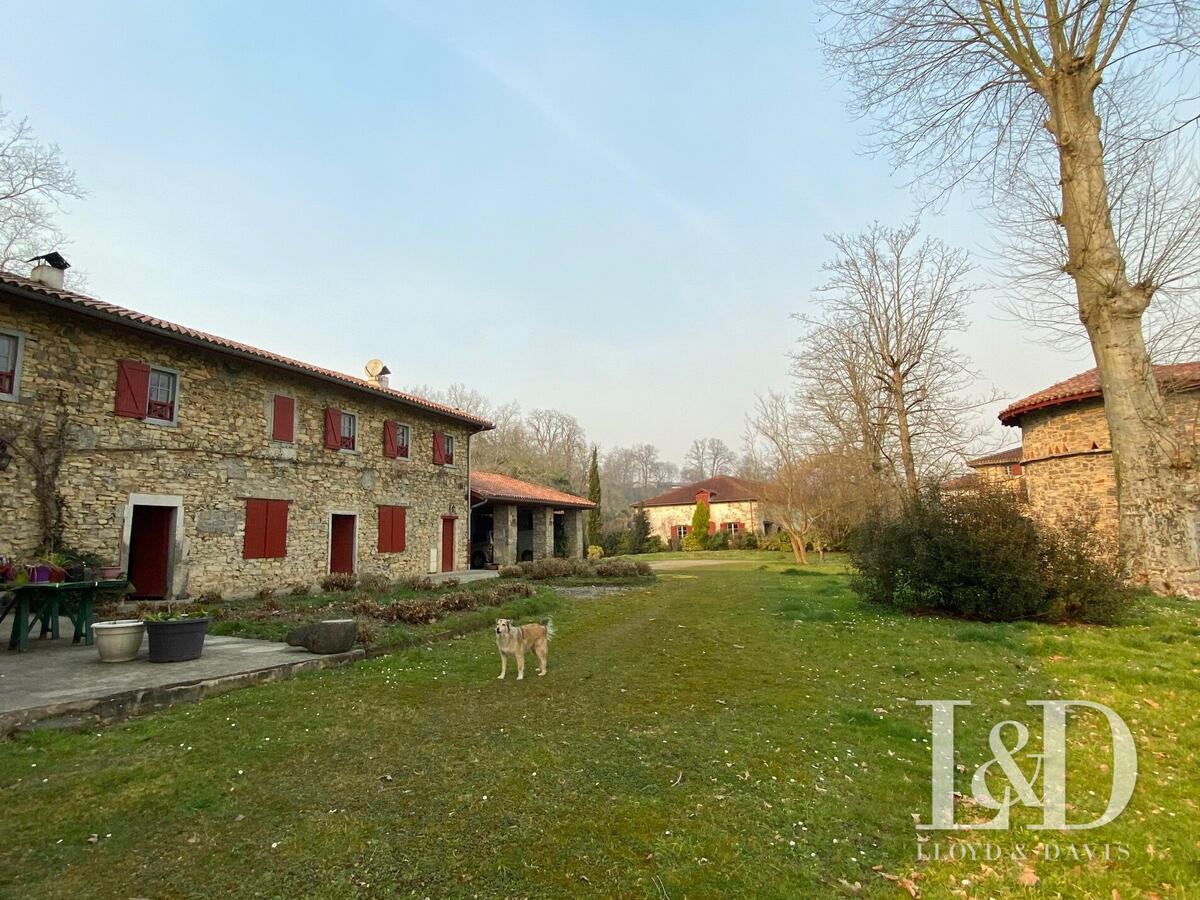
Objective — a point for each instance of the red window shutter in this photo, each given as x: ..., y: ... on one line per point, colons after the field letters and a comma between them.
x: 712, y: 526
x: 390, y: 450
x: 333, y: 428
x: 275, y: 542
x: 133, y: 388
x: 741, y: 526
x: 283, y: 419
x: 439, y: 448
x: 385, y: 529
x: 399, y: 534
x: 254, y: 546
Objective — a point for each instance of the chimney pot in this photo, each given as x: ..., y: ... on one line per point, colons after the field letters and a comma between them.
x: 49, y: 269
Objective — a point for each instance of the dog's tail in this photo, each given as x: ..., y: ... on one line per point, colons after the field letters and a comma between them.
x: 549, y: 623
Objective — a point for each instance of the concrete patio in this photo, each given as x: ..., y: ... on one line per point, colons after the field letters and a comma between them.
x: 64, y: 683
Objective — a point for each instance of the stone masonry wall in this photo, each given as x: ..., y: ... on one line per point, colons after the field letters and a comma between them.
x: 1067, y: 459
x: 219, y: 454
x: 663, y: 518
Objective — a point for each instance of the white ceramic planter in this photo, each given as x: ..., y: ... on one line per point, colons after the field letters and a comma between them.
x: 119, y: 641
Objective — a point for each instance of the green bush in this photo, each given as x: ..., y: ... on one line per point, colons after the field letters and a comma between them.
x: 718, y: 540
x: 748, y: 540
x: 653, y: 544
x: 613, y: 542
x: 978, y: 556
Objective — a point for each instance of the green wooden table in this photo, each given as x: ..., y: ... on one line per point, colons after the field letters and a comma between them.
x: 43, y: 603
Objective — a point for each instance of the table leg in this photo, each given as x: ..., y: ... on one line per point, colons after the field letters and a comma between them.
x: 20, y: 638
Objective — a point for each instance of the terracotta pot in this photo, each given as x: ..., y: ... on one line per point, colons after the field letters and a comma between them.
x: 119, y: 641
x: 109, y: 573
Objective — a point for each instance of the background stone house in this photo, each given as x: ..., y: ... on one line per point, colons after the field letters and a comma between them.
x: 199, y: 463
x: 733, y: 504
x: 516, y: 521
x: 1002, y: 468
x: 1066, y: 449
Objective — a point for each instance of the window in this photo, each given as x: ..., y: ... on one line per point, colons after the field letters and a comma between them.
x: 392, y: 529
x: 160, y: 402
x: 443, y: 449
x: 732, y: 527
x: 266, y: 529
x: 283, y: 419
x: 349, y: 432
x: 10, y: 365
x: 146, y: 392
x: 449, y: 453
x: 681, y: 531
x: 395, y: 440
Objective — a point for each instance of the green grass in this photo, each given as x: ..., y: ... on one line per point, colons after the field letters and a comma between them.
x: 728, y: 730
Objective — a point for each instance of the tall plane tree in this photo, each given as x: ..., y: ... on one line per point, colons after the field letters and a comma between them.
x: 1012, y: 94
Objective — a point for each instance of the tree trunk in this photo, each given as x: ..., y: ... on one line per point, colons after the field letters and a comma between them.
x: 798, y: 551
x: 904, y: 434
x: 1155, y: 467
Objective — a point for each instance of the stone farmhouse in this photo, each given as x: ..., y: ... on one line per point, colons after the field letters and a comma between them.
x: 1002, y: 468
x: 515, y: 521
x: 198, y: 463
x: 1066, y: 451
x: 733, y: 507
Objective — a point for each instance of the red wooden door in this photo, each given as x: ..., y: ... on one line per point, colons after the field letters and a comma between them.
x: 149, y: 550
x: 447, y: 543
x: 341, y: 543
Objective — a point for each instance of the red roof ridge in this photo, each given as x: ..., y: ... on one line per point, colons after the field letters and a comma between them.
x: 106, y: 310
x: 1086, y: 386
x: 495, y: 486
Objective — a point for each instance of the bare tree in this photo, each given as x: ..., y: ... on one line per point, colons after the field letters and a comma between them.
x: 1012, y: 94
x: 890, y: 309
x: 707, y: 458
x: 34, y: 181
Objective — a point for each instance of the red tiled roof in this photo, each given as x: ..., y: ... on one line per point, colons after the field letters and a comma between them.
x: 491, y: 486
x: 961, y: 482
x: 1086, y: 386
x: 724, y: 489
x: 107, y: 311
x: 1001, y: 457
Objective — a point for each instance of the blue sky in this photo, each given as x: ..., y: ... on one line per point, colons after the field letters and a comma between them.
x: 609, y: 208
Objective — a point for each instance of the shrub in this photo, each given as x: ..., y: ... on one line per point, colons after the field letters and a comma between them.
x: 338, y: 581
x: 748, y: 540
x: 263, y: 595
x: 718, y: 540
x: 511, y: 572
x: 213, y: 595
x: 976, y: 555
x: 595, y: 552
x: 653, y: 544
x: 375, y: 584
x: 300, y: 590
x: 418, y: 583
x: 448, y: 582
x: 612, y: 542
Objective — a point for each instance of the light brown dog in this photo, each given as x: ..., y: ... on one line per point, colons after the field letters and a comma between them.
x: 517, y: 640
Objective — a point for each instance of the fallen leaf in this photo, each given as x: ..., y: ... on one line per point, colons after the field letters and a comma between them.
x: 1153, y: 705
x: 1028, y: 877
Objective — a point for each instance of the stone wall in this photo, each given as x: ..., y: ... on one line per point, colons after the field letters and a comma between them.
x: 219, y: 454
x: 1067, y: 459
x: 663, y: 518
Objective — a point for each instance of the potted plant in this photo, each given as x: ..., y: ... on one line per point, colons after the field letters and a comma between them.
x: 120, y: 640
x: 176, y: 636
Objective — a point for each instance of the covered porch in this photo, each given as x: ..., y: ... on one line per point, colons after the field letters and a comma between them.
x: 516, y: 521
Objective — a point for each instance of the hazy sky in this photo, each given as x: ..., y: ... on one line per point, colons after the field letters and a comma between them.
x: 607, y: 208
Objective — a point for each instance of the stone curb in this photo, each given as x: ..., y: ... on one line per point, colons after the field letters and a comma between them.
x: 104, y: 710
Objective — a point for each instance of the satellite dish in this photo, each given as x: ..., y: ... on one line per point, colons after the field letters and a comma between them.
x: 375, y: 368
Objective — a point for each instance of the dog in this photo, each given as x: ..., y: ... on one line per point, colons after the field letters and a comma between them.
x: 517, y: 640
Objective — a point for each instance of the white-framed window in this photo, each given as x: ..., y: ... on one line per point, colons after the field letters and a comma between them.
x: 349, y: 431
x: 162, y: 396
x: 681, y: 531
x: 403, y: 440
x: 449, y: 450
x: 10, y: 364
x: 731, y: 527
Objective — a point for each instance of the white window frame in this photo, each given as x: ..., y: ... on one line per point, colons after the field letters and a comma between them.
x: 174, y: 420
x: 407, y: 454
x: 448, y: 449
x: 342, y: 432
x: 15, y: 393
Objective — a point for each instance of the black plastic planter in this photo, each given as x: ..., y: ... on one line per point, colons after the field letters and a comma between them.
x: 177, y: 640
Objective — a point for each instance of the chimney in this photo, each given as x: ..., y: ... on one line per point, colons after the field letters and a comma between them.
x: 49, y: 270
x: 377, y: 373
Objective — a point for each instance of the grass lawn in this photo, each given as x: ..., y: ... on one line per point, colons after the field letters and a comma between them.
x: 748, y: 729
